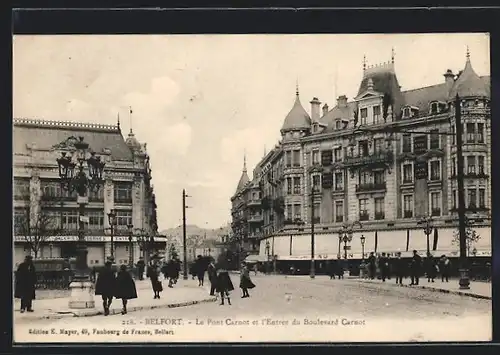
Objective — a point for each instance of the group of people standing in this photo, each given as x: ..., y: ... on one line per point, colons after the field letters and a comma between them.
x: 416, y: 267
x: 118, y: 285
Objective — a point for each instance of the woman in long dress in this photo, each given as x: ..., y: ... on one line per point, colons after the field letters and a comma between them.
x: 153, y: 273
x: 224, y: 284
x: 245, y: 281
x: 125, y: 287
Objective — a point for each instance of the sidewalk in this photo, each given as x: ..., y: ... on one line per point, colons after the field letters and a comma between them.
x: 477, y: 289
x: 183, y: 294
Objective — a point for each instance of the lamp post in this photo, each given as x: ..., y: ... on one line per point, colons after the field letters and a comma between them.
x: 268, y: 247
x: 81, y: 295
x: 112, y: 222
x: 427, y: 224
x: 312, y: 274
x: 363, y: 240
x: 130, y: 246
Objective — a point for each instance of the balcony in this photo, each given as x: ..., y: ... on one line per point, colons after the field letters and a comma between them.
x: 407, y: 181
x: 379, y: 215
x: 379, y: 158
x: 123, y: 200
x: 408, y: 214
x: 364, y: 216
x: 256, y: 218
x: 436, y: 212
x: 371, y: 187
x: 51, y: 198
x: 254, y: 202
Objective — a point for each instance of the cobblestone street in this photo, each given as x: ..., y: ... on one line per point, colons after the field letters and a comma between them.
x: 349, y: 310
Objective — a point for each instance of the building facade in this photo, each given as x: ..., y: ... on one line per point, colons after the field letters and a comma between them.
x: 346, y: 167
x: 38, y: 193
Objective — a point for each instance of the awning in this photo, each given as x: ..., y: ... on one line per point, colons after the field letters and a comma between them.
x: 255, y: 259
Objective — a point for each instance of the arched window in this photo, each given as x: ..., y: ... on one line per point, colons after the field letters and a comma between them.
x: 434, y: 108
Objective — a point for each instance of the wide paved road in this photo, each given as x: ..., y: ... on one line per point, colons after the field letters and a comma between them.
x: 349, y: 311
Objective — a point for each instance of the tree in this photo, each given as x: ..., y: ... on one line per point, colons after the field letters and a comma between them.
x: 194, y: 242
x: 36, y: 227
x: 471, y: 236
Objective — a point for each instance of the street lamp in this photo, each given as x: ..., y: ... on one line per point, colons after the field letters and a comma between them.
x: 81, y: 296
x: 427, y: 224
x: 268, y: 247
x: 346, y: 234
x: 112, y: 222
x: 130, y: 246
x: 363, y: 240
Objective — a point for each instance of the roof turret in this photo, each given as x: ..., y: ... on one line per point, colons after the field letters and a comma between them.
x: 297, y: 118
x: 468, y: 83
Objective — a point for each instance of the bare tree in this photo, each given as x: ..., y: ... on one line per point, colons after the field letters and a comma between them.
x: 471, y: 236
x: 36, y: 227
x: 194, y: 242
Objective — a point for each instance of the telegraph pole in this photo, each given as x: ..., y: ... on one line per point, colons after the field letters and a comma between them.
x: 313, y: 271
x: 464, y: 271
x: 184, y: 246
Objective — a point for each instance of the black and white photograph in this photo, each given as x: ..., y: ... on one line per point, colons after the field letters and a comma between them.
x: 252, y: 188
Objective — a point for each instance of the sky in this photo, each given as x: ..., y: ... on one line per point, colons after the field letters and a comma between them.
x: 202, y: 102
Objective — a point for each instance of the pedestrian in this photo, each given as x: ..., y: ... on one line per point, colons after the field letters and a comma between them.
x: 444, y: 267
x: 340, y: 268
x: 389, y: 266
x: 125, y: 287
x: 415, y: 268
x: 26, y: 283
x: 431, y: 268
x: 199, y: 266
x: 399, y: 268
x: 372, y: 265
x: 383, y: 264
x: 105, y: 285
x: 140, y: 268
x: 171, y: 273
x: 224, y: 284
x: 153, y: 274
x: 212, y: 277
x: 255, y: 269
x: 192, y: 270
x: 245, y: 281
x: 331, y: 269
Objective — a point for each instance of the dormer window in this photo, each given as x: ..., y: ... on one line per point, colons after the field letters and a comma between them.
x: 434, y: 108
x: 364, y: 115
x: 338, y: 124
x: 406, y: 112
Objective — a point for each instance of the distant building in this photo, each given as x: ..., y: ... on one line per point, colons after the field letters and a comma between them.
x: 385, y: 181
x: 127, y: 189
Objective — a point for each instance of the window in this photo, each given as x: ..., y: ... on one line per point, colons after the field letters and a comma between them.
x: 436, y: 203
x: 317, y: 213
x: 50, y: 189
x: 69, y: 220
x: 363, y: 148
x: 96, y: 219
x: 379, y: 208
x: 315, y: 157
x: 471, y: 165
x: 123, y: 219
x: 96, y: 195
x: 364, y: 178
x: 364, y: 115
x: 326, y: 157
x: 480, y: 133
x: 407, y: 173
x: 408, y: 206
x: 434, y: 138
x: 378, y: 177
x: 455, y: 201
x: 376, y: 114
x: 123, y: 192
x: 338, y: 154
x: 434, y: 108
x: 363, y: 209
x: 471, y: 132
x: 289, y: 186
x: 482, y: 198
x: 406, y: 112
x: 20, y: 220
x: 289, y: 212
x: 316, y: 182
x: 296, y: 185
x: 472, y: 198
x: 378, y: 145
x: 297, y: 212
x: 288, y: 158
x: 339, y: 184
x: 435, y: 170
x: 453, y: 166
x: 480, y: 165
x: 338, y: 124
x: 452, y: 129
x: 406, y: 143
x: 296, y: 158
x: 21, y: 189
x: 339, y: 211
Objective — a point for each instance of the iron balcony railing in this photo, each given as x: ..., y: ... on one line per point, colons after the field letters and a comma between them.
x: 375, y: 158
x: 381, y: 186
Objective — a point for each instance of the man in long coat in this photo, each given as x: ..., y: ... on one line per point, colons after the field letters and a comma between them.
x: 25, y: 284
x: 105, y: 285
x: 415, y: 268
x: 140, y: 268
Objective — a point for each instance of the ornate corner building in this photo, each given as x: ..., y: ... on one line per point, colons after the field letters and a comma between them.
x: 127, y: 189
x: 385, y: 181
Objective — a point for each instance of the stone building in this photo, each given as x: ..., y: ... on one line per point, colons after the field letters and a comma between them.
x: 345, y: 164
x: 37, y: 190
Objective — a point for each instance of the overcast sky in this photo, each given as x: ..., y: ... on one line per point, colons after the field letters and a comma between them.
x: 200, y: 101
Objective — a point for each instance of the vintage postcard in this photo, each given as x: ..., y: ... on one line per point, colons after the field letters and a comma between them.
x: 252, y: 188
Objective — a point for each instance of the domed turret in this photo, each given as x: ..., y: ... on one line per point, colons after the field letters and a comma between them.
x: 244, y: 179
x: 468, y: 84
x: 132, y: 142
x: 297, y: 119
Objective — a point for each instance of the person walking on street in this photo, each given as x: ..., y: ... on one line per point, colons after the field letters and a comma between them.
x: 399, y: 268
x: 105, y: 285
x: 340, y: 267
x: 224, y: 284
x: 25, y: 284
x: 255, y: 269
x: 372, y: 265
x: 199, y: 266
x: 212, y: 277
x: 245, y: 281
x: 125, y: 287
x: 431, y: 268
x: 444, y: 267
x: 140, y: 268
x: 415, y: 268
x: 383, y: 264
x: 153, y: 274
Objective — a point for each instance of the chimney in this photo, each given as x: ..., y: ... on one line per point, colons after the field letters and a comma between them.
x: 449, y: 78
x: 342, y: 101
x: 325, y: 109
x: 315, y: 104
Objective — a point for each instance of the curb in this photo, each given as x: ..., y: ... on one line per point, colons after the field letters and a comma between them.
x: 118, y: 311
x: 440, y: 290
